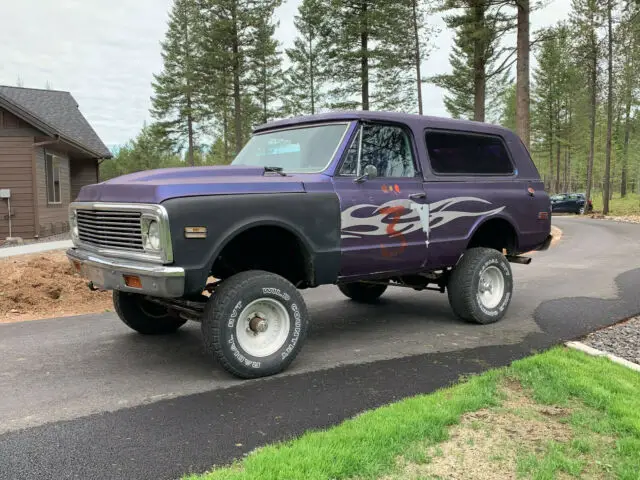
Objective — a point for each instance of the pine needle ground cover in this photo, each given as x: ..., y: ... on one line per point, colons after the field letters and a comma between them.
x: 559, y: 414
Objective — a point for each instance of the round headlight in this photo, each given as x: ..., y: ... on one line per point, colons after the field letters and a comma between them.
x: 73, y: 223
x: 153, y: 235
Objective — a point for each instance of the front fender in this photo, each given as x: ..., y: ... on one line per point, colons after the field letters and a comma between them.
x: 313, y: 217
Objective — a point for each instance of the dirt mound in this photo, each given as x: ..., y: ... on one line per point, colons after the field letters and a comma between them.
x: 45, y: 285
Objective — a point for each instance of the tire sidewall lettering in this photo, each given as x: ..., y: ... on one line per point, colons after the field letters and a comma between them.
x: 295, y: 326
x: 504, y: 303
x: 234, y: 315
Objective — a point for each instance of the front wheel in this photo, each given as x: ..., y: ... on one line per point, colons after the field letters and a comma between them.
x: 481, y: 286
x: 144, y: 316
x: 255, y: 323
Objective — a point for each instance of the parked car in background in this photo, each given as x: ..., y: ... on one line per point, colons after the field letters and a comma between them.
x: 570, y: 203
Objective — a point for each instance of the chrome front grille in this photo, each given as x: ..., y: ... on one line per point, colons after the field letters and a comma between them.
x: 110, y: 229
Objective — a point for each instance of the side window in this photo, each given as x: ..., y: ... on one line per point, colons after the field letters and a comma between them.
x: 466, y: 154
x: 386, y: 147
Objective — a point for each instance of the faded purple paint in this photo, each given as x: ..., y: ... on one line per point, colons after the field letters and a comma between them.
x: 155, y: 186
x: 446, y: 242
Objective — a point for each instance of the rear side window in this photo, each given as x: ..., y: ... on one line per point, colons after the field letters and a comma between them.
x: 466, y: 154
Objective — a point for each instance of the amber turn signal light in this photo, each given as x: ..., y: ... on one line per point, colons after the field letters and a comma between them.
x: 195, y: 232
x: 132, y: 281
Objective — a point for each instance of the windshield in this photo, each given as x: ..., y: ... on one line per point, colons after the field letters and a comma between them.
x: 301, y: 150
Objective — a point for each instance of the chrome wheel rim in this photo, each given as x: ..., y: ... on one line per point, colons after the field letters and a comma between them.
x: 491, y: 287
x: 263, y: 327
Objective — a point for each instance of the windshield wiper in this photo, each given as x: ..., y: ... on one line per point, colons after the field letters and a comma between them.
x: 277, y: 170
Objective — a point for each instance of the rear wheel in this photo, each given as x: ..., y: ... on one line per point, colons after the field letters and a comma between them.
x: 480, y: 286
x: 255, y: 323
x: 362, y: 292
x: 144, y: 316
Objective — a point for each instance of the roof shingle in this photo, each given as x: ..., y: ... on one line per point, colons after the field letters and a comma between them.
x: 60, y: 111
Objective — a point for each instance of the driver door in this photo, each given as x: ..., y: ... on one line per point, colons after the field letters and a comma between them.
x: 385, y: 215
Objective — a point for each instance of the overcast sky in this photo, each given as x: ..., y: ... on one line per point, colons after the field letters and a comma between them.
x: 105, y: 52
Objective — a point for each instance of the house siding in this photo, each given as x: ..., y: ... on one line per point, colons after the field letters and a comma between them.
x: 16, y: 174
x: 52, y: 218
x: 83, y: 172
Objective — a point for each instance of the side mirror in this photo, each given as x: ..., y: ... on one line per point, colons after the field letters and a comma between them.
x: 369, y: 172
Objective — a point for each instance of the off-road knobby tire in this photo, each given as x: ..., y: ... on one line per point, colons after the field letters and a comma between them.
x: 362, y: 292
x: 222, y: 313
x: 462, y: 287
x: 132, y: 308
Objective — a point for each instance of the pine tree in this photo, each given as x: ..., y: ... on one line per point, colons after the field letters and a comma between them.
x: 586, y: 17
x: 420, y: 38
x: 372, y: 54
x: 176, y: 102
x: 607, y: 169
x: 306, y: 78
x: 228, y: 39
x: 478, y: 70
x: 266, y: 66
x: 507, y: 117
x: 394, y: 60
x: 628, y: 47
x: 522, y: 69
x: 553, y: 79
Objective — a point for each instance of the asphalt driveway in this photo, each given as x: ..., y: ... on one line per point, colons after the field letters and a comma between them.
x: 85, y: 397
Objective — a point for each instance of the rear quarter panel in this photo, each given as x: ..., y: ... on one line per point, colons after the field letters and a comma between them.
x: 459, y: 205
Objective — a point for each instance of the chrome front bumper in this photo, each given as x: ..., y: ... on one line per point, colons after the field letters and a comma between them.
x: 108, y: 273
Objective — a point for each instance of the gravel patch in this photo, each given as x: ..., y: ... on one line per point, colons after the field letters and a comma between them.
x: 29, y: 241
x: 622, y: 340
x: 619, y: 218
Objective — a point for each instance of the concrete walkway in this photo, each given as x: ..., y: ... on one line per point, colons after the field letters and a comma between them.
x: 34, y: 248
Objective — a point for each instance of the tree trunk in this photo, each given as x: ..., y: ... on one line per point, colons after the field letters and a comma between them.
x: 190, y: 134
x: 522, y: 74
x: 625, y: 147
x: 570, y: 139
x: 606, y: 196
x: 189, y: 102
x: 237, y: 99
x: 558, y: 156
x: 225, y: 131
x: 592, y: 129
x: 414, y: 4
x: 479, y: 64
x: 364, y: 58
x: 565, y: 174
x: 311, y: 76
x: 550, y: 138
x: 265, y: 96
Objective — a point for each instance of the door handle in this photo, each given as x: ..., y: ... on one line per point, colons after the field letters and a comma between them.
x: 415, y: 196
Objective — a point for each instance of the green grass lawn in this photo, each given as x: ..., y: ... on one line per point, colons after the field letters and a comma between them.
x: 559, y: 414
x: 629, y: 205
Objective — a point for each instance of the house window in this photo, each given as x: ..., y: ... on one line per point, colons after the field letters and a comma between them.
x: 467, y: 154
x: 54, y: 191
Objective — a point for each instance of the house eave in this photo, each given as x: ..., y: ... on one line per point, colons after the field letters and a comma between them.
x: 47, y: 129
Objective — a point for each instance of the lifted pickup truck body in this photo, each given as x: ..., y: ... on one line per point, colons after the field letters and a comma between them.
x: 359, y: 199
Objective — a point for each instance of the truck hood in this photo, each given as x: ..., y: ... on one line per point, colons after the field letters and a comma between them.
x: 155, y: 186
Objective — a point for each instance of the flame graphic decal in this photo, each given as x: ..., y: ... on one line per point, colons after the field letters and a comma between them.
x: 372, y: 220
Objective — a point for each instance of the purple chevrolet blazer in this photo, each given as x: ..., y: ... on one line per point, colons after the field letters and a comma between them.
x: 360, y: 200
